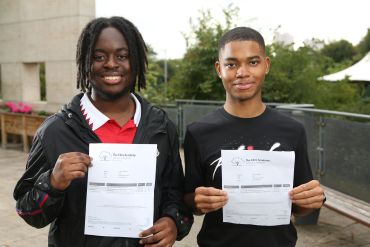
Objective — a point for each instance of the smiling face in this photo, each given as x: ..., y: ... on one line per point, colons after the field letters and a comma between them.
x: 111, y: 71
x: 242, y: 67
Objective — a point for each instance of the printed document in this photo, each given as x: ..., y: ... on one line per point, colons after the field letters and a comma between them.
x: 120, y: 189
x: 257, y: 183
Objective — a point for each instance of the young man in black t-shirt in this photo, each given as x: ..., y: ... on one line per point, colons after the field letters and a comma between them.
x: 244, y: 123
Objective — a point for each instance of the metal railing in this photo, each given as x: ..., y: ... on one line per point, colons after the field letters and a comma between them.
x: 338, y: 142
x: 339, y: 148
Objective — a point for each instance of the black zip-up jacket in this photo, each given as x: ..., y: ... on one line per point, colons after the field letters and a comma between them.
x: 39, y: 204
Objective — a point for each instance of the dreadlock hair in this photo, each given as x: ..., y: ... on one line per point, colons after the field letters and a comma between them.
x: 86, y: 44
x: 241, y: 34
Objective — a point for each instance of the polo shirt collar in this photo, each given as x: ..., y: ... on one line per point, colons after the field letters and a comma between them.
x: 96, y: 118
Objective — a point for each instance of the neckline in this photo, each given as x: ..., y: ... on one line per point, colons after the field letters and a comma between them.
x: 229, y: 116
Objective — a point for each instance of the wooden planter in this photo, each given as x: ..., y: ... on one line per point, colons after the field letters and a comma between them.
x: 24, y: 125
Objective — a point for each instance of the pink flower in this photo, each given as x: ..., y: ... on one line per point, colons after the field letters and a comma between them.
x: 20, y: 107
x: 26, y: 109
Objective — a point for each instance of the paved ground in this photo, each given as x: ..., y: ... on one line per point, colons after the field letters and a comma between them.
x: 333, y: 230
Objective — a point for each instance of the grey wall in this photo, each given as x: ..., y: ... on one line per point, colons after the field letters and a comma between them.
x: 41, y: 31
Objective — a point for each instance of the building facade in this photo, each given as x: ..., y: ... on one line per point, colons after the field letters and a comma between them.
x: 38, y: 38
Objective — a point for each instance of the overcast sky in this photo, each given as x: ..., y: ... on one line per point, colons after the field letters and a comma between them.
x: 162, y: 22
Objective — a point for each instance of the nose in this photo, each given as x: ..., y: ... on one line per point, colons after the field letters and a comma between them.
x: 111, y: 62
x: 242, y: 71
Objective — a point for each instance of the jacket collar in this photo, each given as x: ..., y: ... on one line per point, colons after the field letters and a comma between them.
x: 96, y: 118
x: 153, y: 120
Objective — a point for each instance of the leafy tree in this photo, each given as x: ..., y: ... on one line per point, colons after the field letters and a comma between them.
x: 153, y: 91
x: 293, y: 78
x: 156, y: 90
x: 339, y: 51
x: 293, y: 74
x: 195, y: 77
x: 364, y: 46
x: 335, y: 95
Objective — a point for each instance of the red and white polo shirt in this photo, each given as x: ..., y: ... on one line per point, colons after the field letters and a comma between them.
x: 108, y: 130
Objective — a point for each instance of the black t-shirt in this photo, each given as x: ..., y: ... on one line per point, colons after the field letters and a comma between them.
x: 218, y: 131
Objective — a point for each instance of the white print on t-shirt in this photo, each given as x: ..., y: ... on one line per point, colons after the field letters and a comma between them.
x: 275, y: 146
x: 242, y: 147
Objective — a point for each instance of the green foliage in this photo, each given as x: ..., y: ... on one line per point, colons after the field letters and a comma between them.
x: 339, y: 51
x: 334, y: 95
x: 42, y: 81
x: 43, y: 113
x: 293, y: 77
x: 196, y: 78
x: 292, y: 74
x: 364, y: 46
x: 156, y: 90
x: 153, y: 91
x: 335, y: 67
x: 342, y: 96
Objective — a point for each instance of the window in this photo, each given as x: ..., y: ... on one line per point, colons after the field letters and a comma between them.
x: 42, y: 83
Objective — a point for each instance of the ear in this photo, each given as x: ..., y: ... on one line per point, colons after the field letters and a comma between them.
x: 218, y: 68
x: 268, y: 63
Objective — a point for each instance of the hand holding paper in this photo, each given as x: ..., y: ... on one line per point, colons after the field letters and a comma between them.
x: 163, y: 233
x: 208, y: 199
x: 68, y: 167
x: 308, y: 195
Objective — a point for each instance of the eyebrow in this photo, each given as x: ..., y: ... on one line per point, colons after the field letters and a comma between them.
x: 118, y: 50
x: 235, y: 59
x: 231, y: 59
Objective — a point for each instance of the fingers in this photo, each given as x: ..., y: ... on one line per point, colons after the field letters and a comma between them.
x: 206, y: 208
x: 199, y: 198
x: 68, y: 167
x: 209, y: 203
x: 307, y: 190
x: 74, y: 171
x: 318, y: 191
x: 307, y: 186
x: 153, y: 239
x: 75, y: 157
x: 312, y: 202
x: 208, y: 199
x: 308, y: 195
x: 162, y: 233
x: 210, y: 191
x: 147, y: 233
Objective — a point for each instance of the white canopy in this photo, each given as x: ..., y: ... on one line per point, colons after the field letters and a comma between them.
x: 360, y: 71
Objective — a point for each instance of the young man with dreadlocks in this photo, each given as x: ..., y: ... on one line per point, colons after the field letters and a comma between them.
x: 243, y: 123
x: 111, y: 59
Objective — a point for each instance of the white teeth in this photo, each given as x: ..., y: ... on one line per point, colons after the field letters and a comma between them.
x: 111, y: 78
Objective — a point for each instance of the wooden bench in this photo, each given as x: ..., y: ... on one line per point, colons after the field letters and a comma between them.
x: 24, y: 125
x: 349, y: 206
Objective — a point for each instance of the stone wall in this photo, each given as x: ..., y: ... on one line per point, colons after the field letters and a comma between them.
x: 41, y: 31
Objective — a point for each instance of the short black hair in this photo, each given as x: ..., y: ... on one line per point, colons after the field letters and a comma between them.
x: 86, y: 44
x: 241, y: 34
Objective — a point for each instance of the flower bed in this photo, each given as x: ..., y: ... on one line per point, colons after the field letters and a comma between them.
x: 17, y: 120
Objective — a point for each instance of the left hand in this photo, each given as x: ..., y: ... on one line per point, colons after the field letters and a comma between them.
x: 163, y: 233
x: 308, y: 195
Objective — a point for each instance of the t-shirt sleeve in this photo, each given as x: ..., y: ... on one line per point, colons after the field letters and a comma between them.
x: 193, y: 163
x: 302, y: 167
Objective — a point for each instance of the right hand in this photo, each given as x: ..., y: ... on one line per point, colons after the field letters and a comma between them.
x: 208, y: 199
x: 68, y: 167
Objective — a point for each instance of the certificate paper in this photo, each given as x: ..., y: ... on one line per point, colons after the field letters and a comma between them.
x: 257, y: 183
x: 120, y: 189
